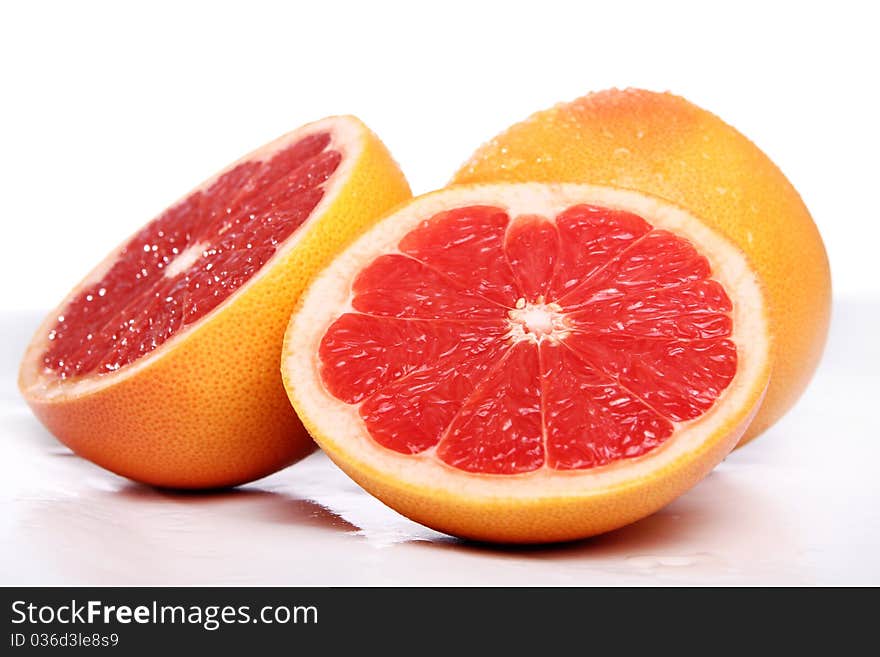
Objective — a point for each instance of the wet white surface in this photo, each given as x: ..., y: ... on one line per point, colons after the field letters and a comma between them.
x: 799, y: 506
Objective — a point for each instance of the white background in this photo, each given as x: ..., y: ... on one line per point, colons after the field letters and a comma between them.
x: 110, y: 111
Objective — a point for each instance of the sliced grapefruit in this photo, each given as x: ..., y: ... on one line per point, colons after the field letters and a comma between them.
x: 664, y: 145
x: 162, y: 364
x: 529, y: 362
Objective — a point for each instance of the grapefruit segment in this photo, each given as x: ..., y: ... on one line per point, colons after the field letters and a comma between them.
x: 681, y: 379
x: 532, y: 250
x: 590, y: 237
x: 656, y: 260
x: 698, y: 309
x: 162, y: 364
x: 590, y: 420
x: 361, y: 353
x: 464, y: 244
x: 535, y: 348
x: 411, y: 413
x: 499, y: 429
x: 399, y: 286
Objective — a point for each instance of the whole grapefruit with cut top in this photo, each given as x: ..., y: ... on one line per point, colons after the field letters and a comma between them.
x: 530, y: 362
x: 664, y: 145
x: 162, y: 364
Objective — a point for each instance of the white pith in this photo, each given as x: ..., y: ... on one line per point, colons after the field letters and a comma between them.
x: 536, y: 322
x: 340, y: 430
x: 346, y: 136
x: 184, y: 260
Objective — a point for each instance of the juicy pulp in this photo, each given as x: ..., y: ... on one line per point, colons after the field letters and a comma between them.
x: 187, y: 261
x: 501, y: 345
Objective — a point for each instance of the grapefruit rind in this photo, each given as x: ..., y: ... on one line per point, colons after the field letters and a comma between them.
x: 521, y: 507
x: 206, y: 408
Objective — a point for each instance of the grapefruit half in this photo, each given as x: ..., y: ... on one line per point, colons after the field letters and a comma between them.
x: 162, y: 364
x: 529, y: 362
x: 664, y: 145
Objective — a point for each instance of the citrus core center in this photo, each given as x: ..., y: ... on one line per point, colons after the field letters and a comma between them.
x: 536, y: 321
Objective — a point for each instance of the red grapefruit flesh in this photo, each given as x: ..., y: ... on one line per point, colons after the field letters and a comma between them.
x: 183, y: 264
x: 489, y: 356
x: 633, y: 330
x: 162, y: 364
